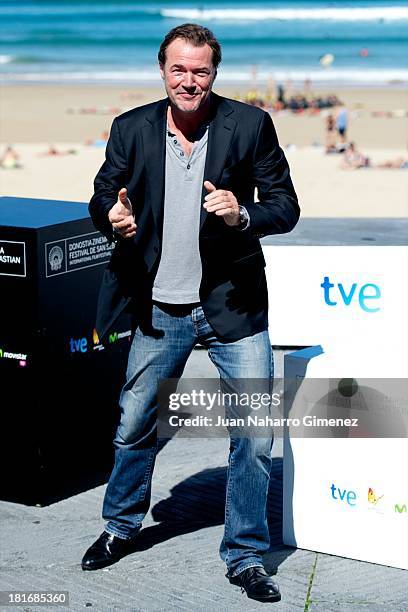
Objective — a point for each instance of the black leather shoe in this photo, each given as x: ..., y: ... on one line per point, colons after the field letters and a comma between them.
x: 257, y: 584
x: 105, y: 551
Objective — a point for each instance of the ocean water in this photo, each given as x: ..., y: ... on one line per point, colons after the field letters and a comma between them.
x: 117, y: 41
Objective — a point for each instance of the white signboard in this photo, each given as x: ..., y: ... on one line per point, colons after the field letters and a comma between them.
x: 343, y: 496
x: 348, y: 497
x: 349, y: 300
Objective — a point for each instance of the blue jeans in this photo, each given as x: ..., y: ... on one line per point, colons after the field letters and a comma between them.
x: 127, y: 498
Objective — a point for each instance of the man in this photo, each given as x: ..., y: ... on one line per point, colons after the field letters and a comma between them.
x: 341, y: 126
x: 176, y: 192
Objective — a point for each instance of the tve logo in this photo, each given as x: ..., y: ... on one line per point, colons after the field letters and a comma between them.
x: 335, y: 293
x: 343, y: 495
x: 78, y: 346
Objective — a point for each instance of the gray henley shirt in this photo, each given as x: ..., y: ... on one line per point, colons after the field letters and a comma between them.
x: 178, y: 277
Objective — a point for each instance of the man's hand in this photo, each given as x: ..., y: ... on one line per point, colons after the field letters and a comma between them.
x: 223, y: 203
x: 121, y: 216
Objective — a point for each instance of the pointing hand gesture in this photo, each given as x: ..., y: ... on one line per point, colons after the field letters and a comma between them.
x: 223, y: 203
x: 121, y: 216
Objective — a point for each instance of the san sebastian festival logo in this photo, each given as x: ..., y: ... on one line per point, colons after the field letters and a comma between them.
x: 55, y: 258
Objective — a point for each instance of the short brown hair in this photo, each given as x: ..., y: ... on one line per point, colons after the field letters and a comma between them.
x: 195, y: 34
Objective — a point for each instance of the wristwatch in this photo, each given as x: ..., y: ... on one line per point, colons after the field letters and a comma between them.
x: 116, y: 236
x: 243, y: 218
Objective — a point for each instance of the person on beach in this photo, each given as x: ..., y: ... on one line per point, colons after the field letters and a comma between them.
x: 399, y: 163
x: 330, y: 134
x: 98, y: 142
x: 353, y: 159
x: 10, y: 159
x: 341, y: 126
x: 52, y: 151
x: 176, y: 195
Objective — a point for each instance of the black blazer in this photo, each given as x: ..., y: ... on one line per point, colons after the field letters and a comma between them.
x: 242, y: 153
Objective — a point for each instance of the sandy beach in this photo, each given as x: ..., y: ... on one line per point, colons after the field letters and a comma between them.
x: 35, y: 117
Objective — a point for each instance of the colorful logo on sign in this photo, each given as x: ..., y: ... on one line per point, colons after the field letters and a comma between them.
x: 97, y: 343
x: 366, y: 296
x: 372, y: 497
x: 350, y: 498
x: 20, y: 357
x: 115, y: 336
x: 78, y: 345
x: 346, y: 496
x: 95, y: 337
x: 81, y: 345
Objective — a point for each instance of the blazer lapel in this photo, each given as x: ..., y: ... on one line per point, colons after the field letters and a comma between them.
x: 221, y: 131
x: 154, y: 148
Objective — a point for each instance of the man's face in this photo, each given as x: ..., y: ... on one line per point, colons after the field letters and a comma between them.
x: 188, y: 75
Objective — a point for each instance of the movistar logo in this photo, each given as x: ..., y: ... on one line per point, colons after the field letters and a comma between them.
x: 22, y: 357
x: 400, y: 508
x: 118, y: 336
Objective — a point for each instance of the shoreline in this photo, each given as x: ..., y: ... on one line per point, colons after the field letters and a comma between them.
x: 321, y: 86
x: 262, y: 84
x: 247, y: 73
